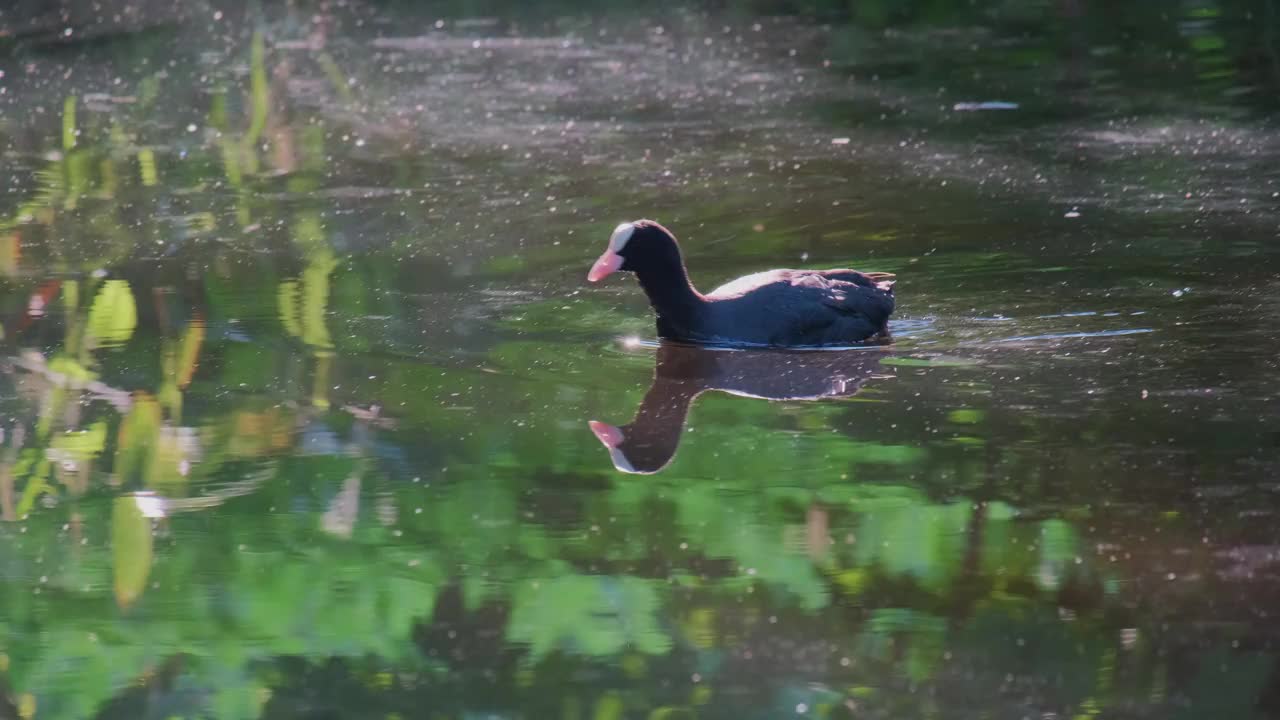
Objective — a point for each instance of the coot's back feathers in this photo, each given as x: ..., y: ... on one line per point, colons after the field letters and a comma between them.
x: 791, y: 308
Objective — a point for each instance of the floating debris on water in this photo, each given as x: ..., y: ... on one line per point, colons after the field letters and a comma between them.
x: 988, y: 105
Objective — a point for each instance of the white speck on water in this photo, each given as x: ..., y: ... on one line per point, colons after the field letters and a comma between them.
x: 840, y: 141
x: 988, y: 105
x: 192, y: 127
x: 1072, y: 213
x: 1129, y: 638
x: 802, y: 709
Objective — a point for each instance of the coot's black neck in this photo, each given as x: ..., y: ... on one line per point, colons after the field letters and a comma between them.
x: 651, y: 439
x: 679, y: 307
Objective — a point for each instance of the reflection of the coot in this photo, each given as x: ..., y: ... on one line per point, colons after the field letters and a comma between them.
x: 648, y: 442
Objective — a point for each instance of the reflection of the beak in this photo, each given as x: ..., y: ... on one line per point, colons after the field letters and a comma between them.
x: 612, y: 438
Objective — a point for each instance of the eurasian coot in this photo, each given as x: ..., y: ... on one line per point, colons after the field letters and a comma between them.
x: 776, y: 308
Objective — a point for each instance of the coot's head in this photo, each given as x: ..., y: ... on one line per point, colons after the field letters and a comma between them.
x: 631, y: 452
x: 636, y: 247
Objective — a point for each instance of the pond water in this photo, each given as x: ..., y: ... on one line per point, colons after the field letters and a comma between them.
x: 299, y: 360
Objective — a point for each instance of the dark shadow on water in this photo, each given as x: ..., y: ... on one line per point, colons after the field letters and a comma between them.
x: 681, y: 373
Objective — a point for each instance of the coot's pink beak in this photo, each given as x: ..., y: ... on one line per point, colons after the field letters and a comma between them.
x: 611, y: 436
x: 610, y: 262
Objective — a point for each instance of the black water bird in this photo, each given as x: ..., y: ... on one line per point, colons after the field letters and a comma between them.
x: 775, y: 308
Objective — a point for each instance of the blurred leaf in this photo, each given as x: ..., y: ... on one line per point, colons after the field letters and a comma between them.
x: 259, y: 93
x: 147, y: 167
x: 131, y: 547
x: 10, y: 253
x: 609, y: 707
x: 37, y: 482
x: 68, y: 123
x: 137, y: 438
x: 673, y: 713
x: 79, y: 448
x: 231, y: 163
x: 852, y: 582
x: 218, y: 118
x: 69, y: 368
x: 965, y: 416
x: 113, y: 315
x: 1059, y: 546
x: 287, y: 304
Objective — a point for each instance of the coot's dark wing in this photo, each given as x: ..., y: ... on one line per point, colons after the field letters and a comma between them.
x: 856, y: 308
x: 799, y: 307
x: 881, y: 280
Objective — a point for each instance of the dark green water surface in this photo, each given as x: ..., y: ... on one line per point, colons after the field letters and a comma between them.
x: 299, y: 356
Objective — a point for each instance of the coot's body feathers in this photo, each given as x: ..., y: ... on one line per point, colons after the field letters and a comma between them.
x: 791, y: 308
x: 777, y: 308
